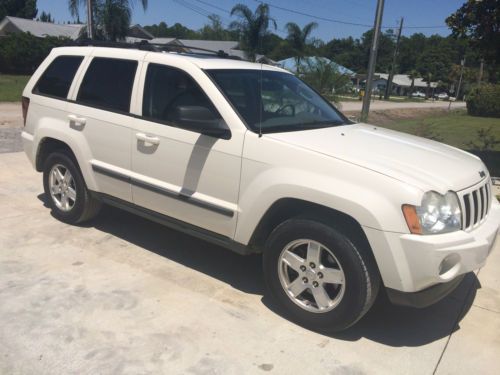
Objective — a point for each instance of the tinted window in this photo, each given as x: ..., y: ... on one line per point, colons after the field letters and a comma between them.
x: 56, y: 80
x: 108, y: 84
x: 275, y: 101
x: 167, y: 90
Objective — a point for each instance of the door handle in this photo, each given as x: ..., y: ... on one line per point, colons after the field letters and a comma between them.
x: 77, y: 120
x: 147, y: 139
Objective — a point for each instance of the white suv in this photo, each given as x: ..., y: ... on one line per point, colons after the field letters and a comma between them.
x: 251, y: 158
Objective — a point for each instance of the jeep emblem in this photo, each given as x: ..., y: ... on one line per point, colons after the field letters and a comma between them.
x: 482, y: 174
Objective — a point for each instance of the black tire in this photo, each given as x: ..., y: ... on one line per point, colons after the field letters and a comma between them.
x: 85, y: 207
x: 362, y: 278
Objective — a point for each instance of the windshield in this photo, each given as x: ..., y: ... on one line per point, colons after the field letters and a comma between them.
x: 277, y: 103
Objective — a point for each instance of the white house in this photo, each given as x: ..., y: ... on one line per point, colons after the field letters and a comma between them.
x: 39, y: 29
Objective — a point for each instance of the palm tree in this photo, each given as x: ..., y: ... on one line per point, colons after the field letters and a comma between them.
x: 112, y: 16
x: 252, y: 27
x: 298, y: 39
x: 413, y: 76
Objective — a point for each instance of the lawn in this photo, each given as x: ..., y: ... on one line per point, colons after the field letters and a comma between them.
x: 11, y: 87
x: 456, y: 128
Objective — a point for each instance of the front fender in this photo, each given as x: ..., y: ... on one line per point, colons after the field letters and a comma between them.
x: 375, y: 208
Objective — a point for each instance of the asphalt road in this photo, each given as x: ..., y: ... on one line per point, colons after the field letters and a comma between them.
x: 126, y: 296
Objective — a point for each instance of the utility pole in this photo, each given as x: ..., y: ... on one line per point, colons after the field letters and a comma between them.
x: 462, y: 63
x: 373, y: 59
x: 461, y: 75
x: 388, y: 87
x: 90, y: 30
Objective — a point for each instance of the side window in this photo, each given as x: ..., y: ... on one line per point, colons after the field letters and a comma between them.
x: 108, y: 84
x: 57, y: 78
x: 172, y: 96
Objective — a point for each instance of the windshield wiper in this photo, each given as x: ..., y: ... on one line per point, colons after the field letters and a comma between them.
x: 299, y: 126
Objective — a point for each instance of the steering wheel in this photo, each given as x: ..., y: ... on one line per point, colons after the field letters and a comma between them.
x: 282, y: 108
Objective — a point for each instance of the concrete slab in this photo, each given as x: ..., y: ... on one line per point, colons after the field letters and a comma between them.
x: 124, y: 295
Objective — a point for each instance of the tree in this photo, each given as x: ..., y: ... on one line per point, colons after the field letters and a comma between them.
x: 110, y: 15
x: 113, y: 18
x: 252, y: 27
x: 299, y: 39
x: 479, y: 22
x: 214, y: 30
x: 18, y: 8
x: 45, y: 17
x: 324, y: 76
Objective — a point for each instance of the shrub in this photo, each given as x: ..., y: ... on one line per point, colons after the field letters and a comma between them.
x: 484, y: 101
x: 21, y: 53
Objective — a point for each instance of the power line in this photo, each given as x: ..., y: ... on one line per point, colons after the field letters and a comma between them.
x: 199, y: 10
x: 342, y: 22
x: 213, y: 6
x: 206, y: 13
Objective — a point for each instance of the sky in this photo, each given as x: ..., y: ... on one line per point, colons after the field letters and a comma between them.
x: 418, y: 14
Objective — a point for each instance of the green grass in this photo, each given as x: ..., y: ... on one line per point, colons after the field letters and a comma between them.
x: 11, y: 87
x: 456, y: 128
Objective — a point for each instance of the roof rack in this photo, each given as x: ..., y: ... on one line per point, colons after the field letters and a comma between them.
x: 144, y: 45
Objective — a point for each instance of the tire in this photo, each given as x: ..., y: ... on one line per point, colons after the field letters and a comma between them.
x: 353, y: 267
x: 81, y: 205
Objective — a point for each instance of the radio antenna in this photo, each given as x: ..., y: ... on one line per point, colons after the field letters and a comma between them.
x: 261, y: 103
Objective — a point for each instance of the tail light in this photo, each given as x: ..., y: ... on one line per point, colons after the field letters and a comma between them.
x: 25, y: 104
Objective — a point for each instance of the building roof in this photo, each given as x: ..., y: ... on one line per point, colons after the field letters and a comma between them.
x: 214, y: 45
x: 291, y: 64
x: 405, y: 81
x: 137, y: 31
x: 39, y: 29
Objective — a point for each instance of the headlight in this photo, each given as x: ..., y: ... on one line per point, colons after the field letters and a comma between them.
x: 436, y: 214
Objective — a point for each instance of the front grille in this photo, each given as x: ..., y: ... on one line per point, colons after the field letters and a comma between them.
x: 475, y: 205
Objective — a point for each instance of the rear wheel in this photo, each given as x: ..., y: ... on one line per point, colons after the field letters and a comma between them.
x: 66, y: 191
x: 318, y: 276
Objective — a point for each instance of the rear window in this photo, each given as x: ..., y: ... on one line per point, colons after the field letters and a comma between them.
x: 57, y: 78
x: 108, y: 84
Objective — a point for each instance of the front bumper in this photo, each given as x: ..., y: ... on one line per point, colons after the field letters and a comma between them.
x: 411, y: 263
x: 424, y: 297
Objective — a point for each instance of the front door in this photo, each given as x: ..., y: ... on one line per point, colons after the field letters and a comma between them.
x: 178, y: 171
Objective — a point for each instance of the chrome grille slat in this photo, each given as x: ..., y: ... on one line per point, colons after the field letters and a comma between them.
x: 475, y: 205
x: 481, y: 202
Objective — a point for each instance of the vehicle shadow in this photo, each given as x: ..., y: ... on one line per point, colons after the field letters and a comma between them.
x: 399, y: 326
x: 384, y: 323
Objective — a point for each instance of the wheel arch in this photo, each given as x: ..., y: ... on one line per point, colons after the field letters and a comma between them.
x: 287, y: 208
x: 50, y: 142
x: 47, y: 146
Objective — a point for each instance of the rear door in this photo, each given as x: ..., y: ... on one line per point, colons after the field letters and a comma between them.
x: 99, y: 110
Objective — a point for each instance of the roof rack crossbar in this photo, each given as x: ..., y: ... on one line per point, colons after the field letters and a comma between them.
x: 156, y: 47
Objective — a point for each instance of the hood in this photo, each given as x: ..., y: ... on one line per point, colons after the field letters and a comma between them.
x: 425, y: 164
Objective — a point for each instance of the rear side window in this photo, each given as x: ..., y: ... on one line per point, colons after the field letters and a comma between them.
x: 57, y: 78
x: 108, y: 84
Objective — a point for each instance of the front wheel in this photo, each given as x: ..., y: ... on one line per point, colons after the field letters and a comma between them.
x: 318, y: 276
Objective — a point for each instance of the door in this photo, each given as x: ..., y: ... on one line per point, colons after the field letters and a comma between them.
x: 178, y: 170
x: 100, y: 113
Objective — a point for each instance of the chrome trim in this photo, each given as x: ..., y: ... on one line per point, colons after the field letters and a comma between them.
x: 163, y: 191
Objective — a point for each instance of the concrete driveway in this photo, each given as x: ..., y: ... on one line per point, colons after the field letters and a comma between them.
x: 126, y: 296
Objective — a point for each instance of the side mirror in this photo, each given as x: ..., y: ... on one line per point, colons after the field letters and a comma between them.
x: 202, y: 120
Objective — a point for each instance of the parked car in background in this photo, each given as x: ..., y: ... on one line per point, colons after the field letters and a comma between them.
x: 442, y: 96
x: 249, y: 157
x: 418, y: 94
